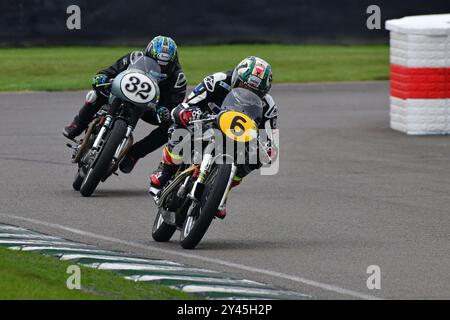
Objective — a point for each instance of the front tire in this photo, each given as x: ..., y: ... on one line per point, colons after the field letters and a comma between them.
x: 162, y: 232
x: 195, y: 228
x: 76, y: 185
x: 99, y: 169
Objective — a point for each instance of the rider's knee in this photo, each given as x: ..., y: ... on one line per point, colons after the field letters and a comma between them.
x: 91, y: 97
x: 170, y: 157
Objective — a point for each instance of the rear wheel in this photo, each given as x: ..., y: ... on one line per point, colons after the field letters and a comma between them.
x: 162, y: 232
x: 200, y: 215
x: 100, y: 167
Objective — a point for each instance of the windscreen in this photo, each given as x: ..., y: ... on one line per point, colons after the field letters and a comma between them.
x: 245, y: 101
x: 149, y: 66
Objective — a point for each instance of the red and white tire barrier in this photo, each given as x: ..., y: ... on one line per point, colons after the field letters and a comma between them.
x: 420, y: 74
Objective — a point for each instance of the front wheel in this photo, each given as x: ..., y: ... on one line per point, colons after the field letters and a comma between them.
x: 100, y: 167
x: 201, y: 214
x: 76, y: 185
x: 162, y: 232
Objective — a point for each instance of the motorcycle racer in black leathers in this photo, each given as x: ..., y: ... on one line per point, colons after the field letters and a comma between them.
x: 252, y: 73
x: 172, y: 92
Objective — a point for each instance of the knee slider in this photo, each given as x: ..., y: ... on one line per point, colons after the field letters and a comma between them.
x: 91, y: 97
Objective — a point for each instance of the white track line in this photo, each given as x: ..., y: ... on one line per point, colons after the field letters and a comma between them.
x: 271, y: 273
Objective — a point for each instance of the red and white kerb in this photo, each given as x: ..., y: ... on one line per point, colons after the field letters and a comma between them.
x: 420, y: 74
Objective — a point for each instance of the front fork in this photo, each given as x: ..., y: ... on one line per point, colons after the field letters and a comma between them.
x: 227, y: 190
x: 205, y: 167
x: 123, y: 144
x: 199, y: 185
x: 101, y: 134
x: 99, y: 138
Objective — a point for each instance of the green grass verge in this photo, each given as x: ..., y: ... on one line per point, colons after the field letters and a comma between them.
x: 71, y: 68
x: 32, y: 276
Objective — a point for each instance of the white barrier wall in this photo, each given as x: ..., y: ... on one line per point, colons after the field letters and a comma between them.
x: 420, y: 74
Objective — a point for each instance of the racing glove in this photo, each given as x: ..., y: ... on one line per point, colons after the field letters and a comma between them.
x: 99, y: 79
x: 163, y: 114
x: 98, y: 82
x: 271, y: 151
x: 185, y: 114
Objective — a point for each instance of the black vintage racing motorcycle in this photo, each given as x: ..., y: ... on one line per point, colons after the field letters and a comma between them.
x: 190, y: 201
x: 109, y: 136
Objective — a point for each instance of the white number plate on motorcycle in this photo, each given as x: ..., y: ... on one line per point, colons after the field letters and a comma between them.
x: 138, y: 88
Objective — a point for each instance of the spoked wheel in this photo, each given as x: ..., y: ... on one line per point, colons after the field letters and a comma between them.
x: 201, y: 214
x: 162, y: 232
x: 97, y: 171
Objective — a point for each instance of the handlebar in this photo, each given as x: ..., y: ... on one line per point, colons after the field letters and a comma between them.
x: 209, y: 117
x: 103, y: 84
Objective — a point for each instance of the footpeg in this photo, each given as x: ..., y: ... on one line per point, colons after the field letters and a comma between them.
x: 154, y: 192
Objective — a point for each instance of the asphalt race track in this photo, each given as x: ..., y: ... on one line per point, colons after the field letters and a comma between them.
x: 350, y: 193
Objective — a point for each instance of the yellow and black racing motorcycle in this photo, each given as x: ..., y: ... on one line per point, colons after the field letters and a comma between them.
x: 190, y: 201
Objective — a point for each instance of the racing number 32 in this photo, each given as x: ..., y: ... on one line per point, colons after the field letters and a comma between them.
x: 136, y: 84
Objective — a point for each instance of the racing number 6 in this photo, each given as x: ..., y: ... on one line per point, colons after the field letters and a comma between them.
x: 238, y: 122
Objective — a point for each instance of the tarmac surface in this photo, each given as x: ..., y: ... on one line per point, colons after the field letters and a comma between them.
x: 351, y: 193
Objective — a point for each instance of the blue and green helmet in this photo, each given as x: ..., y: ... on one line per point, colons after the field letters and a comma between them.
x: 162, y: 49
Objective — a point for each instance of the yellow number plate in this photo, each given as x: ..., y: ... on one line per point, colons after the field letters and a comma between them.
x: 238, y: 126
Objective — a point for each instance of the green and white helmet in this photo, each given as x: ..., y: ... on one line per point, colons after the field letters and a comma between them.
x: 253, y: 73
